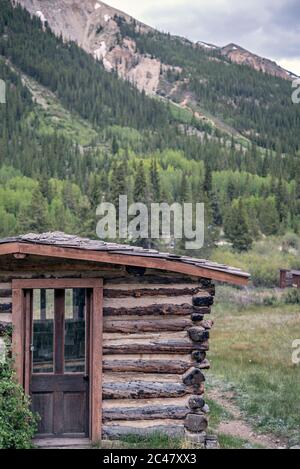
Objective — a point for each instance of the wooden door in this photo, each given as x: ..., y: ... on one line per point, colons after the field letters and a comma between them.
x: 59, y: 383
x: 57, y: 349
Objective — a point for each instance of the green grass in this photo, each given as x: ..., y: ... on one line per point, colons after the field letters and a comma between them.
x: 265, y: 259
x: 50, y: 116
x: 251, y: 352
x: 154, y: 441
x: 232, y: 442
x: 217, y: 414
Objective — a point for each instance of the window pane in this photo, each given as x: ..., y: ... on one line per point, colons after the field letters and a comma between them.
x: 43, y: 331
x: 75, y: 330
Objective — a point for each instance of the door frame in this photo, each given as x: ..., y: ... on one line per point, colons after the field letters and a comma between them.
x: 22, y: 325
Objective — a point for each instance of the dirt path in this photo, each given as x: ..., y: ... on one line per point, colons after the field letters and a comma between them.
x: 238, y: 427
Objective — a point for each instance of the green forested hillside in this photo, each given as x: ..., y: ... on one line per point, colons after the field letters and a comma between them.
x: 256, y: 104
x: 51, y: 180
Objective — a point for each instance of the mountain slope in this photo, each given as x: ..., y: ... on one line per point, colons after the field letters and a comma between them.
x: 235, y: 97
x: 93, y: 25
x: 52, y: 179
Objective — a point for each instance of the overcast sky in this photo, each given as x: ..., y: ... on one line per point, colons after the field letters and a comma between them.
x: 270, y: 28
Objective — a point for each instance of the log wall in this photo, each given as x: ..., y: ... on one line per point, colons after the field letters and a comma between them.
x: 155, y: 341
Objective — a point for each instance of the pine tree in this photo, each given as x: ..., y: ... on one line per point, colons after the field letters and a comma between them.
x: 114, y: 146
x: 208, y: 180
x: 35, y: 217
x: 140, y: 185
x: 155, y: 181
x: 217, y: 218
x: 237, y: 227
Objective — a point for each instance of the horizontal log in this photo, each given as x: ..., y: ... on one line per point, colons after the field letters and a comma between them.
x: 136, y: 291
x: 114, y: 432
x: 199, y: 356
x: 147, y: 366
x: 206, y: 324
x: 159, y: 278
x: 198, y: 334
x: 175, y: 366
x: 148, y: 412
x: 196, y: 402
x: 193, y: 377
x: 149, y: 325
x: 143, y: 390
x: 153, y: 346
x: 203, y: 301
x: 197, y: 317
x: 156, y: 310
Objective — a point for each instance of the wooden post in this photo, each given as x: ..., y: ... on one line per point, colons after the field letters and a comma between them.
x: 96, y: 328
x: 283, y: 274
x: 18, y: 334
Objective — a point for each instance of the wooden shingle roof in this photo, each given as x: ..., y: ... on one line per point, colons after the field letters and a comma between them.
x: 57, y: 244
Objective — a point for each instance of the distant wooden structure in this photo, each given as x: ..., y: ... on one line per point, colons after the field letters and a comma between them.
x: 289, y: 278
x: 109, y: 339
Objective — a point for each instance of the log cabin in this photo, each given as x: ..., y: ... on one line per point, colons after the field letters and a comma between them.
x: 289, y: 278
x: 109, y: 339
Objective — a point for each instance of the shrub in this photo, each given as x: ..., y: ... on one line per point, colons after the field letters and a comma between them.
x: 17, y: 422
x: 293, y: 297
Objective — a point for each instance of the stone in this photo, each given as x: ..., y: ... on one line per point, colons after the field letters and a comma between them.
x: 196, y: 423
x: 212, y: 442
x: 196, y: 438
x: 196, y: 402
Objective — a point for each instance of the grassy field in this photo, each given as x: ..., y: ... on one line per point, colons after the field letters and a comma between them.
x: 251, y: 354
x: 251, y: 361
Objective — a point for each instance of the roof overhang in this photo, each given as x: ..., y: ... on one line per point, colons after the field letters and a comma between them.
x: 236, y: 278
